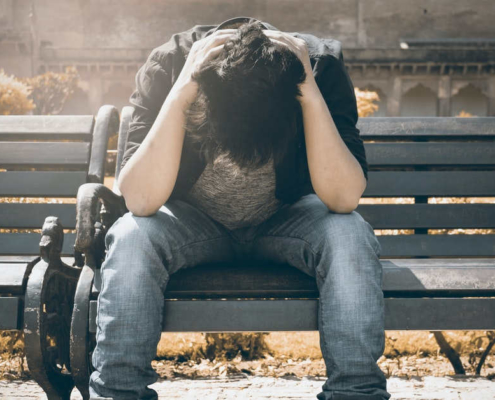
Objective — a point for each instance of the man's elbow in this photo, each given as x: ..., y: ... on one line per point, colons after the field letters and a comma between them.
x: 143, y: 212
x: 342, y: 204
x: 348, y: 203
x: 135, y: 202
x: 342, y: 207
x: 139, y: 208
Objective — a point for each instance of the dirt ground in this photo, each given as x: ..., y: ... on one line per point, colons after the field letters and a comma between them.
x: 288, y: 388
x: 292, y: 368
x: 295, y: 354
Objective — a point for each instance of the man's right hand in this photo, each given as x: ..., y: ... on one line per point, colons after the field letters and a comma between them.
x: 201, y: 51
x: 148, y: 178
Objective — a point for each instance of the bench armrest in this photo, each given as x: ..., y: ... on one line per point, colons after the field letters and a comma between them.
x: 96, y: 210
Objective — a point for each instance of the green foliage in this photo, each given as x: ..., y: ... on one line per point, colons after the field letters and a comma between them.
x: 14, y: 96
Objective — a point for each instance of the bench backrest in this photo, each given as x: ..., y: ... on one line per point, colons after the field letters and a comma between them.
x: 420, y: 158
x: 423, y: 158
x: 48, y: 156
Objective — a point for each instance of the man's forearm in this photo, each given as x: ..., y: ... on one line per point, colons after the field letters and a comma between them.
x: 148, y: 178
x: 336, y: 175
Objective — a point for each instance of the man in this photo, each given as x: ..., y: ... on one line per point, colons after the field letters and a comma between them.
x: 243, y: 143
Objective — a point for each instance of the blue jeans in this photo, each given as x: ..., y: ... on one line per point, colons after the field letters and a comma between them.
x: 340, y: 251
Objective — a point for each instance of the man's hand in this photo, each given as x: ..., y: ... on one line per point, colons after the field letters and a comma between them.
x: 336, y: 175
x: 309, y: 88
x: 201, y: 52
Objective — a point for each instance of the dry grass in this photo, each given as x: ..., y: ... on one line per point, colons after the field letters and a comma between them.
x: 298, y: 345
x: 413, y: 353
x: 291, y: 354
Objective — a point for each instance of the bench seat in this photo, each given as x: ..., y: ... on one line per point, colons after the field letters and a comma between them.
x: 446, y: 293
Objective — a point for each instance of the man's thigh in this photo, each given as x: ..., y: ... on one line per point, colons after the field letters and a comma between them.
x: 298, y: 233
x: 181, y: 234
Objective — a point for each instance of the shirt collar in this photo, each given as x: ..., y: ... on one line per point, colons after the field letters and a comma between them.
x: 244, y: 19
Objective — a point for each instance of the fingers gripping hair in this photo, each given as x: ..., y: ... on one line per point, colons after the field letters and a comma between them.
x: 247, y: 100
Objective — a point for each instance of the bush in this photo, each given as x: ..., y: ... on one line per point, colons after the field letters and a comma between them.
x: 50, y: 91
x: 366, y: 102
x: 14, y: 96
x: 226, y: 346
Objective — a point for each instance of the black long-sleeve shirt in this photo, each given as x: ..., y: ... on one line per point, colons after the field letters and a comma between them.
x: 156, y: 77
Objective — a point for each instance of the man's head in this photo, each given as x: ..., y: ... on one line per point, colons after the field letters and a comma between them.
x: 247, y: 101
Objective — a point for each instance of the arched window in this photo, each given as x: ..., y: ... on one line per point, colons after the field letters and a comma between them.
x: 469, y: 99
x: 419, y: 101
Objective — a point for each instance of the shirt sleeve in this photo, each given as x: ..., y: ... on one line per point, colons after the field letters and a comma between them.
x: 153, y: 83
x: 338, y: 91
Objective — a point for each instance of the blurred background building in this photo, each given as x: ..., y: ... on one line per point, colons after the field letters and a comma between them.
x: 423, y: 58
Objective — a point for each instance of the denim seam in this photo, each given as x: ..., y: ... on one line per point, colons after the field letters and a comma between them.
x: 305, y: 241
x: 377, y: 250
x: 317, y: 272
x: 198, y: 241
x: 292, y: 237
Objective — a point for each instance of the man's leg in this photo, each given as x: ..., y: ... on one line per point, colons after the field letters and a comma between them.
x: 342, y: 252
x: 142, y: 252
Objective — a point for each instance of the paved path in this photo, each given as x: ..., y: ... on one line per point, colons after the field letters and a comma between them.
x: 261, y: 388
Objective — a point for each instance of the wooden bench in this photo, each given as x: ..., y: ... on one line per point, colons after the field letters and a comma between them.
x: 431, y: 282
x: 45, y: 156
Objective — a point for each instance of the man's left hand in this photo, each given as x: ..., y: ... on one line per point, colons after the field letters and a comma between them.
x: 300, y: 48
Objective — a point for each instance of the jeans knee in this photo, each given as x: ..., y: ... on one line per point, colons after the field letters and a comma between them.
x: 130, y: 229
x: 133, y: 249
x: 346, y: 232
x: 351, y: 240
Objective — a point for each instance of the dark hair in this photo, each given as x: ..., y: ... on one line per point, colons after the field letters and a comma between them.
x: 247, y: 101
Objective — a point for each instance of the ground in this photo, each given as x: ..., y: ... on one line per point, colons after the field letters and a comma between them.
x: 261, y: 388
x: 412, y: 363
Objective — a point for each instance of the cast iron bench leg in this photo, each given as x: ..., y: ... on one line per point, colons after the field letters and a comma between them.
x: 47, y: 315
x: 80, y: 341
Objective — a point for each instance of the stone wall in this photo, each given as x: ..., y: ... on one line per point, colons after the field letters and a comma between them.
x: 109, y: 39
x: 148, y: 23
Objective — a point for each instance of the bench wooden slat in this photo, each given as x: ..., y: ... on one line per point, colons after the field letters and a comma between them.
x: 430, y: 183
x: 440, y: 314
x: 41, y: 183
x: 433, y: 216
x: 398, y: 127
x: 66, y: 154
x: 409, y: 277
x: 69, y: 260
x: 16, y: 259
x: 32, y: 215
x: 430, y: 153
x: 14, y: 127
x: 439, y: 277
x: 437, y: 245
x: 10, y: 313
x: 302, y: 315
x: 28, y: 243
x: 15, y: 275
